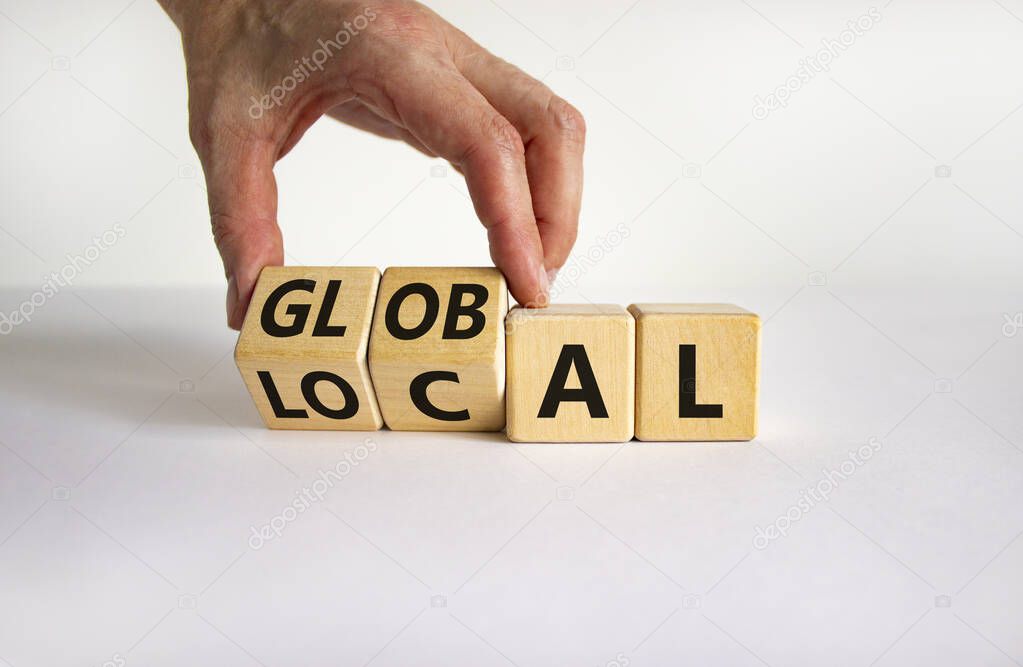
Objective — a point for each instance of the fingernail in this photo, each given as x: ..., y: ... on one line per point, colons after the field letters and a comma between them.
x: 552, y: 276
x: 545, y: 288
x: 232, y: 298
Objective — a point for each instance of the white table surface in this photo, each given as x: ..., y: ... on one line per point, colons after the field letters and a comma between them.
x: 133, y: 468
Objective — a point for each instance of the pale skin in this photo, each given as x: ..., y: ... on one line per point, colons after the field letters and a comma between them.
x: 406, y: 75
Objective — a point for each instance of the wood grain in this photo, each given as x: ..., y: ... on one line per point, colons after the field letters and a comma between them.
x: 537, y: 340
x: 461, y: 377
x: 724, y: 343
x: 299, y: 357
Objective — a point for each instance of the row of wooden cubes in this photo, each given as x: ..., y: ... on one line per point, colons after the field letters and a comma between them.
x: 437, y: 349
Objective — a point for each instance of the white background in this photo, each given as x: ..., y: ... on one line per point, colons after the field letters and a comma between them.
x: 874, y: 223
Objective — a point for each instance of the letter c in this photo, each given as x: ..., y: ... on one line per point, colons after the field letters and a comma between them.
x: 417, y: 392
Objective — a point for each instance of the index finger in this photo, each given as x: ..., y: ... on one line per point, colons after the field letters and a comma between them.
x: 554, y: 134
x: 449, y: 116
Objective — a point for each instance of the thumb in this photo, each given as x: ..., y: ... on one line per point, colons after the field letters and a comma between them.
x: 243, y: 213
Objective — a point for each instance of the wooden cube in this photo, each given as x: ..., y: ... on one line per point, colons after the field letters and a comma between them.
x: 571, y: 374
x: 437, y: 349
x: 697, y: 370
x: 302, y: 348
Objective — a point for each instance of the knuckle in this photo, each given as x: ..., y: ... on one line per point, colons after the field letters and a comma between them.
x: 219, y: 131
x: 207, y: 126
x: 200, y: 131
x: 503, y: 135
x: 566, y: 119
x: 399, y: 19
x: 209, y: 139
x: 246, y: 234
x: 224, y: 229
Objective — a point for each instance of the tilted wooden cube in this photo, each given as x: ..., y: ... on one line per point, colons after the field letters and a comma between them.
x: 437, y: 349
x: 571, y: 374
x: 302, y: 348
x: 697, y: 371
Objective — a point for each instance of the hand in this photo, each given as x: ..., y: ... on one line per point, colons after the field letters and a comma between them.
x: 260, y: 72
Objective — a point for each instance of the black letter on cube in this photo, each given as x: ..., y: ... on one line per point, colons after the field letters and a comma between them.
x: 588, y: 391
x: 687, y: 405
